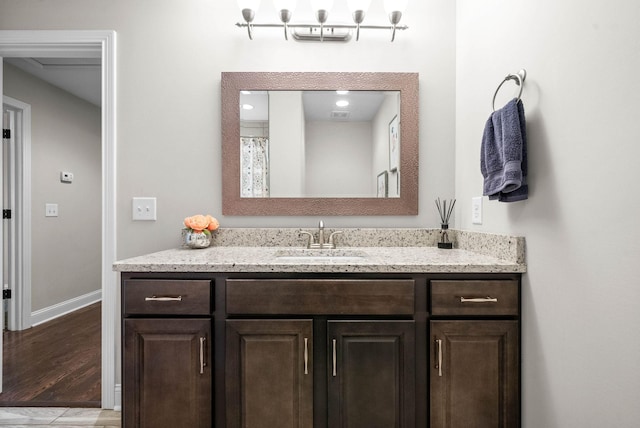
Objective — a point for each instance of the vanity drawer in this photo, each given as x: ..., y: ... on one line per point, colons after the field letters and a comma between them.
x: 320, y: 296
x: 166, y: 297
x: 497, y: 297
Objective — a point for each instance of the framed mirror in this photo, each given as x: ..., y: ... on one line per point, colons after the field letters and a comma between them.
x: 296, y: 152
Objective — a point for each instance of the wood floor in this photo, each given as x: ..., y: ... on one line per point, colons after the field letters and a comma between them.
x: 56, y: 364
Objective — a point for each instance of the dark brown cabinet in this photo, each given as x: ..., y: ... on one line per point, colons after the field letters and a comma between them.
x: 166, y: 362
x: 167, y: 373
x: 269, y: 373
x: 321, y: 351
x: 372, y: 374
x: 475, y: 360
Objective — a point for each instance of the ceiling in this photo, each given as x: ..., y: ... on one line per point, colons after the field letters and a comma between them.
x: 78, y: 76
x: 319, y: 105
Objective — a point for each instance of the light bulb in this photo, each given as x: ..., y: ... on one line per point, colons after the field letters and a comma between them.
x: 254, y: 5
x: 289, y: 5
x: 357, y: 5
x: 317, y: 5
x: 391, y: 6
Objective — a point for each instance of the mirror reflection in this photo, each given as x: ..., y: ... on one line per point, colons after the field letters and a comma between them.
x: 319, y: 144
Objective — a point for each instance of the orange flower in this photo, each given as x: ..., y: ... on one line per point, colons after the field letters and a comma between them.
x: 196, y: 222
x: 201, y: 222
x: 213, y: 223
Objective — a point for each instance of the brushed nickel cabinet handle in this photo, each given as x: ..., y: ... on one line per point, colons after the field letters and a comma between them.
x: 306, y: 356
x: 202, y: 360
x: 163, y: 299
x: 487, y: 299
x: 438, y: 343
x: 334, y: 358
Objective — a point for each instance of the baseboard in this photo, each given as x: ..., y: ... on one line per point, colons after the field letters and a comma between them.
x: 52, y: 312
x: 118, y: 398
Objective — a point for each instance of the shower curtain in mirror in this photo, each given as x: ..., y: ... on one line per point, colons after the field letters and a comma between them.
x: 254, y: 167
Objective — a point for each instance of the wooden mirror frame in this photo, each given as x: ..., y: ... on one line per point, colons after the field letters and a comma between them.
x: 405, y: 83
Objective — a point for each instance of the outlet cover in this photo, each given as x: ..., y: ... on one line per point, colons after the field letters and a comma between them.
x: 51, y: 210
x: 144, y: 209
x: 476, y: 210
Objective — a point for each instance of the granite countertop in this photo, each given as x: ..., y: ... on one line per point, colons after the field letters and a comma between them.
x: 474, y: 253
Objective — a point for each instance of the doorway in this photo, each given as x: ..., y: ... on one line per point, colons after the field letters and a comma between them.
x: 65, y: 262
x: 79, y: 44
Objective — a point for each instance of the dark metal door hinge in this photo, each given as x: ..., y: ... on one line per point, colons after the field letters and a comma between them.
x: 6, y: 294
x: 6, y: 133
x: 6, y: 213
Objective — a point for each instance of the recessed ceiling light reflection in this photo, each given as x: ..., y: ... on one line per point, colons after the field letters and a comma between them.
x: 342, y: 92
x: 247, y: 107
x: 342, y: 103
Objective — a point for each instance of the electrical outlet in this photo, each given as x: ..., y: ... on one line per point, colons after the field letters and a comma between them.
x: 476, y: 210
x: 51, y: 210
x: 144, y: 209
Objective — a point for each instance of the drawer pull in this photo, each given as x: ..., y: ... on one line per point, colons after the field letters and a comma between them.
x: 439, y: 356
x: 202, y: 361
x: 163, y: 299
x: 478, y: 299
x: 306, y: 355
x: 334, y: 358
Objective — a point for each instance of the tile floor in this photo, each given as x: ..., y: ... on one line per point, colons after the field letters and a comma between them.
x: 59, y: 417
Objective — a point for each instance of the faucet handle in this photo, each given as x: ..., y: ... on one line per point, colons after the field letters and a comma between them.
x: 331, y: 243
x: 311, y: 240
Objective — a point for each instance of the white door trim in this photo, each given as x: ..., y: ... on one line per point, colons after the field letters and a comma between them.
x: 20, y: 315
x: 32, y: 43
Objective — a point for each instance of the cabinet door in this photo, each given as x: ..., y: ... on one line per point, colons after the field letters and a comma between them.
x: 269, y: 379
x: 167, y: 373
x: 371, y: 381
x: 475, y: 379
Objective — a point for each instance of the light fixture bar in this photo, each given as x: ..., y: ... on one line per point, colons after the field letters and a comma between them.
x: 325, y: 28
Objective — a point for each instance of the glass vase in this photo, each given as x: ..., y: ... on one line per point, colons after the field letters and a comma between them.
x: 193, y: 239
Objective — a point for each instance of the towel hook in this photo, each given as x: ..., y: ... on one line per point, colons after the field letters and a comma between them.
x: 518, y: 78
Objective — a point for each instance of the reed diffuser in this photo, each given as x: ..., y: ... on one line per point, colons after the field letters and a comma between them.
x: 445, y: 213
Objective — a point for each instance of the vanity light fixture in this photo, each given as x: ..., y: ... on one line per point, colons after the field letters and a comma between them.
x: 394, y: 9
x: 322, y: 30
x: 358, y: 10
x: 249, y: 8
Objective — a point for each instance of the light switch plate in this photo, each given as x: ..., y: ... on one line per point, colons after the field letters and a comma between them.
x: 476, y: 210
x: 144, y: 209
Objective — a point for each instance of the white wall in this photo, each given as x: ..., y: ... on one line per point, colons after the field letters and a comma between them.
x: 65, y: 137
x: 286, y: 153
x: 581, y: 327
x: 338, y: 158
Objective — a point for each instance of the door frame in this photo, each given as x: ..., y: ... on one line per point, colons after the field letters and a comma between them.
x: 20, y: 304
x: 87, y: 43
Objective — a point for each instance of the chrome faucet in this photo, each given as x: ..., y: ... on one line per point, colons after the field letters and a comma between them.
x: 320, y: 243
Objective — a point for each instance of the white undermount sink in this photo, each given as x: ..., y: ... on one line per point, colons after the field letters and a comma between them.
x: 338, y: 255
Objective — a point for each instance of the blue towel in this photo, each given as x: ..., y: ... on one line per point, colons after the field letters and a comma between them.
x: 503, y: 158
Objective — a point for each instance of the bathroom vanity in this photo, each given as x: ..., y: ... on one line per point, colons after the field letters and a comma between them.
x: 354, y: 337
